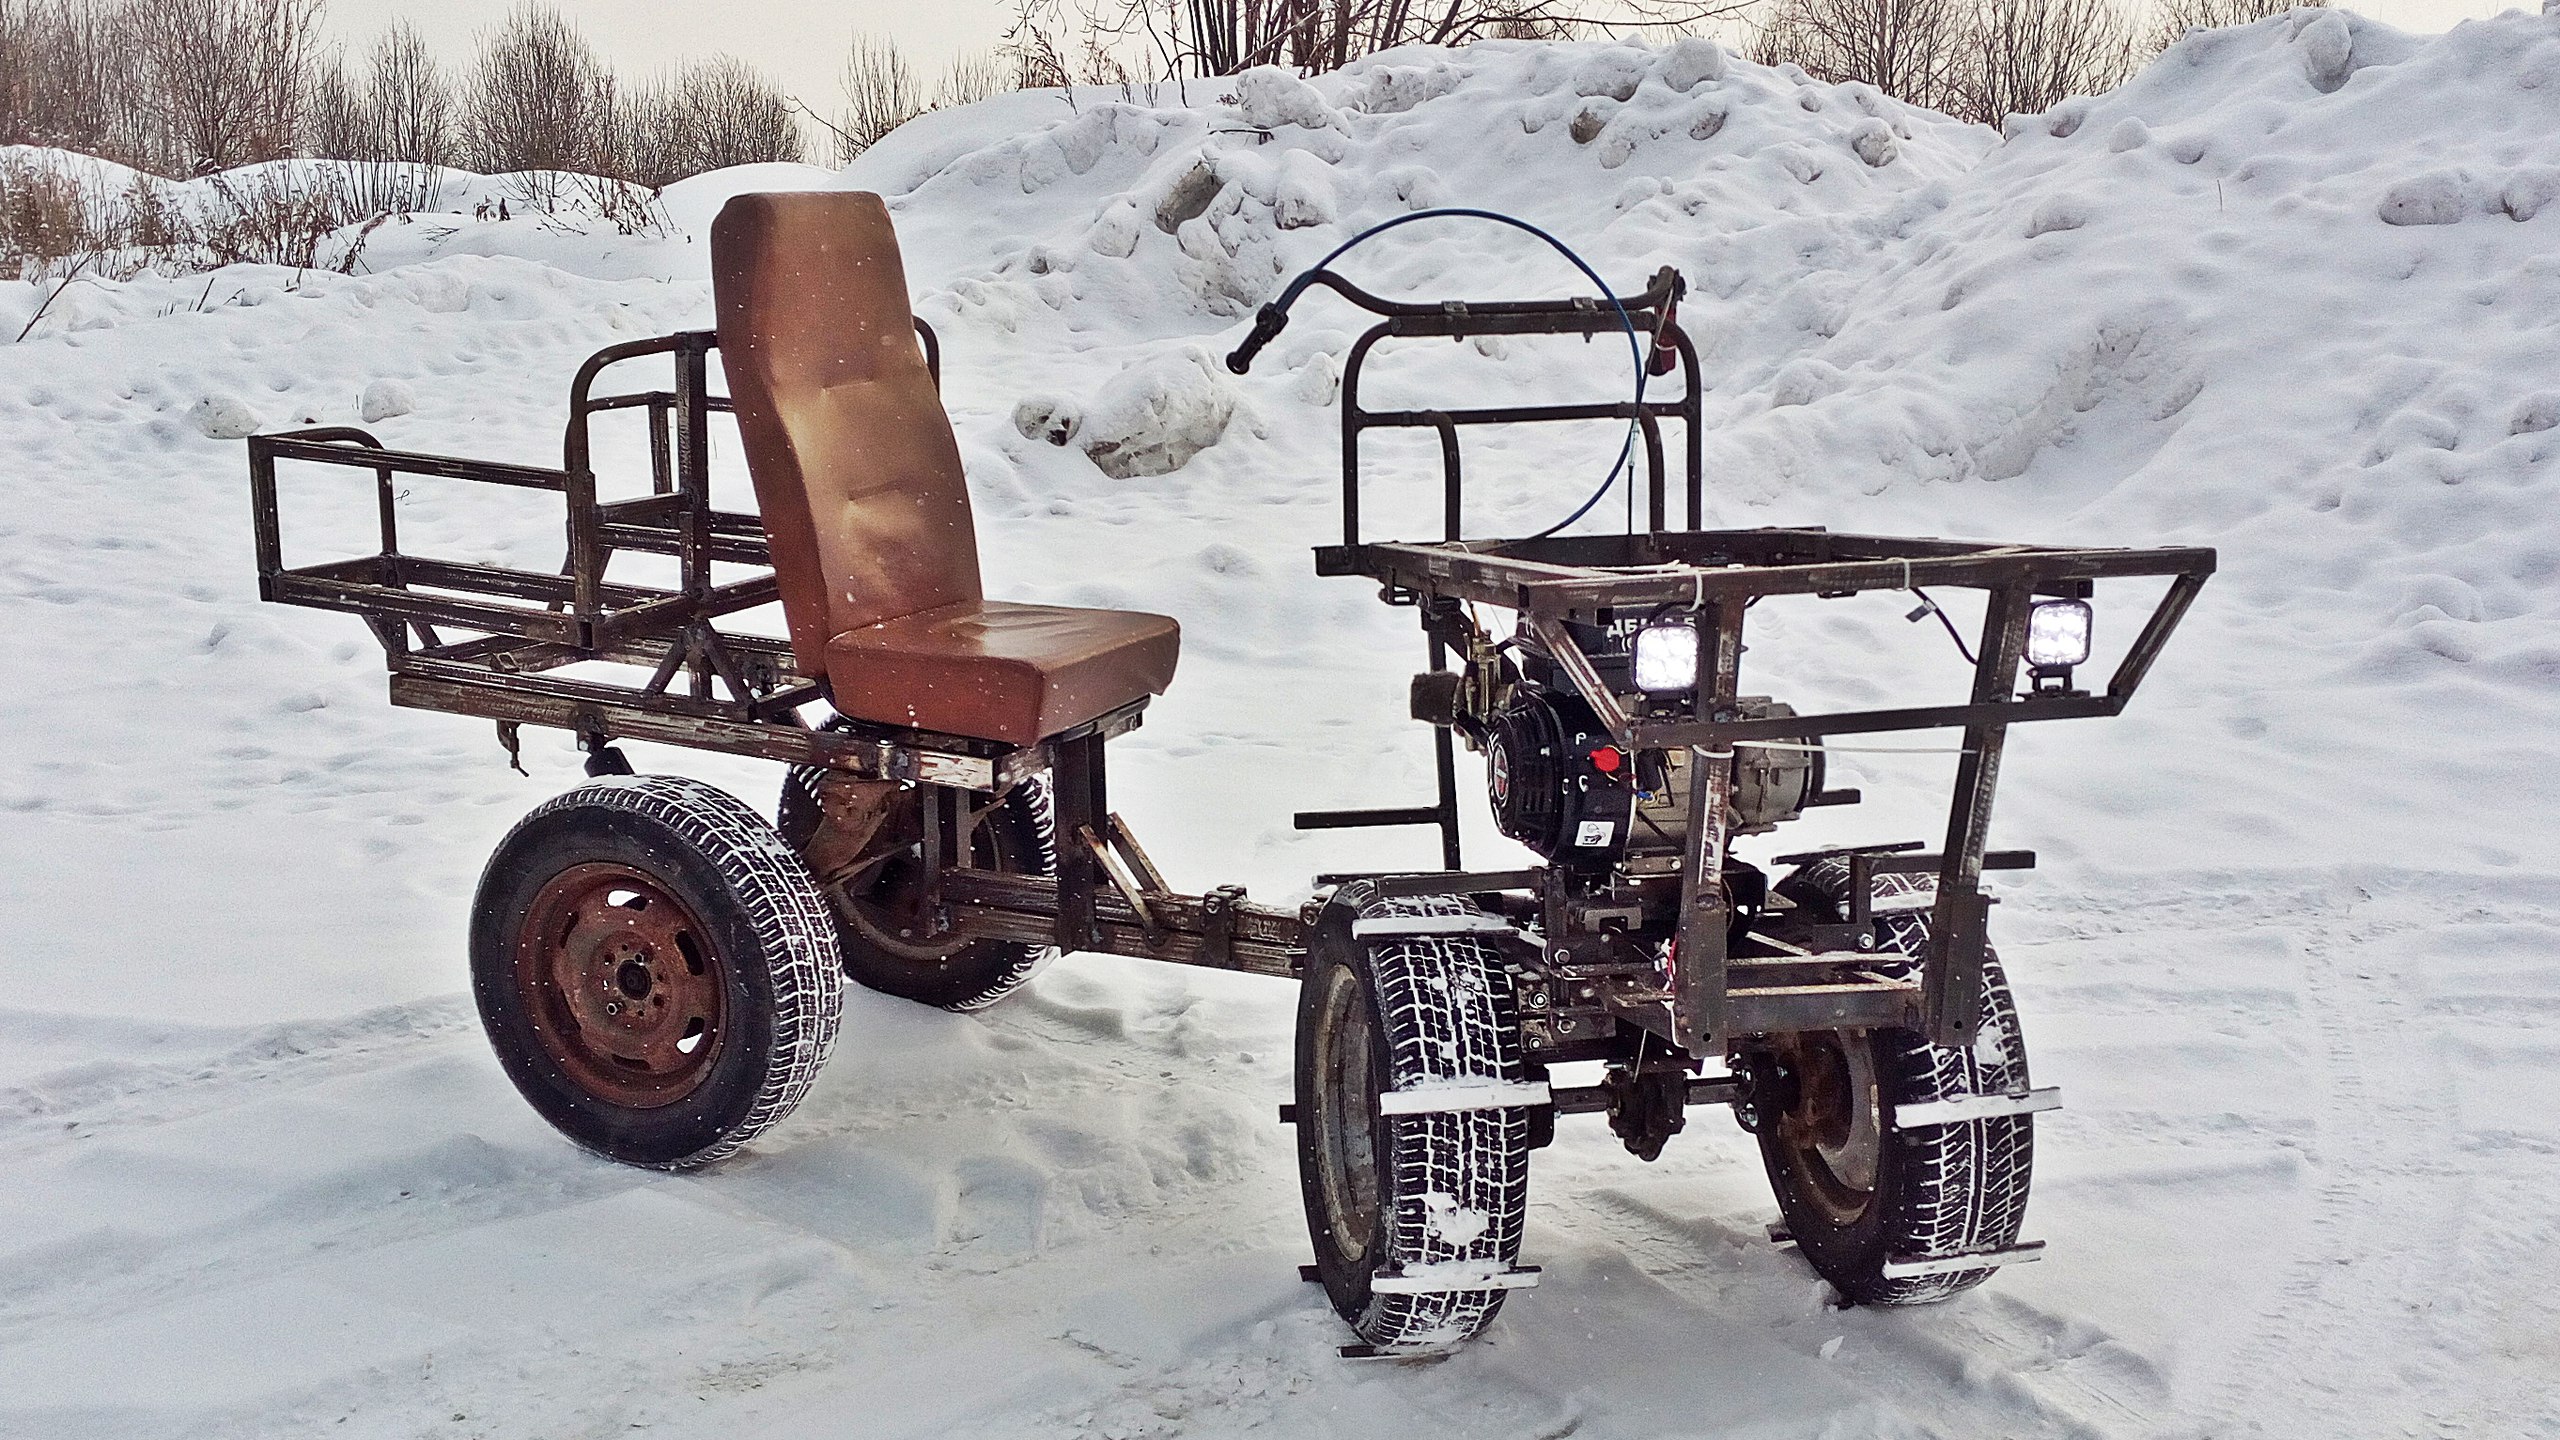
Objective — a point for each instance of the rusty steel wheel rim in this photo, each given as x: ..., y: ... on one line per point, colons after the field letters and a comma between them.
x: 1835, y: 1129
x: 624, y: 984
x: 1346, y: 1114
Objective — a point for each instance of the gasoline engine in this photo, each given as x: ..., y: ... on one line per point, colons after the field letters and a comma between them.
x: 1563, y: 787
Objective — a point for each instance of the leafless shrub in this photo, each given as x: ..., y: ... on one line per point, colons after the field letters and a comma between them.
x: 2022, y: 57
x: 277, y: 215
x: 538, y: 102
x: 46, y: 214
x: 228, y: 76
x: 881, y: 93
x: 708, y: 117
x: 629, y: 207
x: 969, y: 79
x: 2172, y: 19
x: 64, y: 82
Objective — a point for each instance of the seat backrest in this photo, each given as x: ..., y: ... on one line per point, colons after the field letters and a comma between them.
x: 855, y: 467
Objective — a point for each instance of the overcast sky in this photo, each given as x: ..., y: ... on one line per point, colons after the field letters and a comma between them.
x: 801, y: 43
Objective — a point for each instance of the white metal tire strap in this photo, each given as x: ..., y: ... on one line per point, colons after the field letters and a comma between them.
x: 1957, y: 1109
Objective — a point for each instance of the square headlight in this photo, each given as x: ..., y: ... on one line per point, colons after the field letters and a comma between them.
x: 1666, y: 658
x: 2058, y: 634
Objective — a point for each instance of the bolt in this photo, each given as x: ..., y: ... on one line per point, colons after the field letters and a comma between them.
x: 1866, y: 942
x: 613, y: 1007
x: 1567, y: 1025
x: 1564, y: 957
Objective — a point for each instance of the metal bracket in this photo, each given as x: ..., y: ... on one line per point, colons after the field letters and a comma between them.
x: 1123, y: 880
x: 1218, y: 924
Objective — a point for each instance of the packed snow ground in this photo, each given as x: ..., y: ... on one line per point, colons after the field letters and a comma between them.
x: 2291, y: 292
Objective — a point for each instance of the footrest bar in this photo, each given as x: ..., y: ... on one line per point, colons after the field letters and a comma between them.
x: 1457, y: 1096
x: 1449, y: 1277
x: 1913, y: 1269
x: 1957, y: 1109
x: 1393, y: 925
x: 1397, y: 1352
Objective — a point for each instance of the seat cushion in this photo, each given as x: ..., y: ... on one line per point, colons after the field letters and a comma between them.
x: 991, y: 670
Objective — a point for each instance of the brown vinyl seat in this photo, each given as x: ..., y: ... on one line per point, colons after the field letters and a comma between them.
x: 860, y: 483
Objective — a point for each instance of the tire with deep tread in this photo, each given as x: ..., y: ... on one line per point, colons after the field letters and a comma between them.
x: 750, y: 908
x: 1939, y: 1190
x: 1392, y: 1013
x: 1017, y: 838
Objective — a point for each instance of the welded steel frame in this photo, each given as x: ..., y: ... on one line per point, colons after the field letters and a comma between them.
x: 1653, y: 315
x: 1554, y: 582
x: 523, y: 627
x: 1711, y: 577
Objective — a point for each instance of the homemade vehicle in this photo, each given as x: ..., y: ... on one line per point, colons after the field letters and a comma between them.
x: 660, y: 970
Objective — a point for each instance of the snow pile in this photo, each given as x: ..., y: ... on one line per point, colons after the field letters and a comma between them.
x: 2289, y: 292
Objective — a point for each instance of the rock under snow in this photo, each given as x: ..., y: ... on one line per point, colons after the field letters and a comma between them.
x: 225, y: 417
x: 2440, y: 197
x: 385, y: 400
x: 1691, y: 62
x: 1873, y: 140
x: 1153, y: 417
x: 1046, y: 417
x: 1271, y: 97
x: 2328, y: 50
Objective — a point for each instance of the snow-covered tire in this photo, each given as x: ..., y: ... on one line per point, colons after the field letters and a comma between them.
x: 657, y: 972
x: 1017, y: 838
x: 1436, y: 1195
x: 1933, y: 1191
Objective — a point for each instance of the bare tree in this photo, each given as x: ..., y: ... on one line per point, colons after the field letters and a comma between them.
x: 334, y: 123
x: 228, y: 76
x: 1221, y: 37
x: 881, y: 93
x: 2172, y: 19
x: 538, y: 101
x: 2022, y: 57
x: 408, y: 105
x: 1908, y: 49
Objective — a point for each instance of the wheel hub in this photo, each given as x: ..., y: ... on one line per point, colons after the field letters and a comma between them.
x: 625, y: 985
x: 1833, y: 1124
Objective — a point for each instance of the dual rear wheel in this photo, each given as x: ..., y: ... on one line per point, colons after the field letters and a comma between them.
x: 1388, y: 1007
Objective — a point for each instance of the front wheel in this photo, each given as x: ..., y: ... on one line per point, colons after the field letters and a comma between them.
x: 1863, y: 1196
x: 1415, y: 1216
x: 657, y: 973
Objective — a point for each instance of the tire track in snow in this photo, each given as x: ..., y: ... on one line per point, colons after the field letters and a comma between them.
x: 1986, y: 1364
x: 118, y: 1094
x: 2388, y: 1213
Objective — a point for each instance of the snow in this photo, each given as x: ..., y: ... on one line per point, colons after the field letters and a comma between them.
x: 2289, y: 953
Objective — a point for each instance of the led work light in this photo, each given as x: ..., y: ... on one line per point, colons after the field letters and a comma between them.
x: 2057, y: 637
x: 1666, y: 658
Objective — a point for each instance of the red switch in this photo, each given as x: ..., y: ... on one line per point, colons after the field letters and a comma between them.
x: 1606, y: 759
